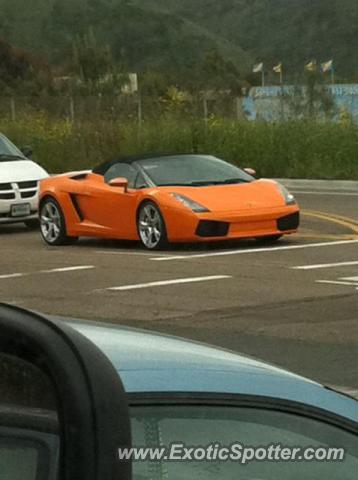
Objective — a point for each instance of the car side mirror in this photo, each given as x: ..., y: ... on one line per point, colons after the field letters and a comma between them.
x: 28, y: 420
x: 27, y: 152
x: 63, y: 407
x: 120, y: 182
x: 250, y: 171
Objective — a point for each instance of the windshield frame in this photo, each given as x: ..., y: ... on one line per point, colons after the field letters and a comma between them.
x: 229, y: 401
x: 306, y: 410
x: 13, y: 153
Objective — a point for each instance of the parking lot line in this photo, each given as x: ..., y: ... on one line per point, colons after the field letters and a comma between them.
x: 12, y: 275
x: 253, y: 250
x: 348, y: 390
x: 68, y: 269
x: 337, y: 282
x: 325, y: 265
x: 140, y: 254
x: 169, y: 282
x: 350, y: 223
x: 52, y: 270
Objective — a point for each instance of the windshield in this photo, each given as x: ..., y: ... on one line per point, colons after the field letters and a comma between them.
x: 8, y: 151
x: 192, y: 170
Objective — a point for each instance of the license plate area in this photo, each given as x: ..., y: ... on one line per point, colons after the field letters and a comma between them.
x: 20, y: 210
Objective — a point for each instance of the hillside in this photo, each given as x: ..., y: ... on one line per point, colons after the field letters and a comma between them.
x: 175, y: 36
x: 291, y: 31
x: 139, y: 38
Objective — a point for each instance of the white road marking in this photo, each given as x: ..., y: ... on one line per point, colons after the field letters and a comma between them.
x: 254, y: 250
x: 141, y: 254
x: 169, y: 282
x: 13, y: 302
x: 12, y: 275
x: 325, y: 265
x: 53, y: 270
x: 350, y: 279
x: 68, y: 269
x: 340, y: 194
x: 349, y: 390
x: 337, y: 282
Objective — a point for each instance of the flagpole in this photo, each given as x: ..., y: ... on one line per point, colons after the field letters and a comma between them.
x: 282, y: 95
x: 332, y: 75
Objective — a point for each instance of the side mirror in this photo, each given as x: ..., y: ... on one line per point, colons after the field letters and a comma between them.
x: 250, y: 171
x: 119, y: 182
x: 28, y: 420
x: 27, y: 151
x: 58, y: 391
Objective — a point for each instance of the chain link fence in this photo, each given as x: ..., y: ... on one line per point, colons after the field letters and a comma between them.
x: 123, y: 108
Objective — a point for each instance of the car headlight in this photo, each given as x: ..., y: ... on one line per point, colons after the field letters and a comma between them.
x: 289, y: 198
x: 194, y: 206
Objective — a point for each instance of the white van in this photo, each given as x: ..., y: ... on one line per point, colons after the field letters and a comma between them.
x: 19, y: 185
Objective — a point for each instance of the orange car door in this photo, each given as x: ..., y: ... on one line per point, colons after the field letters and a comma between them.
x: 108, y: 211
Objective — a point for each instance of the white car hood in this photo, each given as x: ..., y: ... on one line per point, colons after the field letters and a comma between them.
x: 21, y: 170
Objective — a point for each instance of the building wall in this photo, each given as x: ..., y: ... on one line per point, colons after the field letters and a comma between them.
x: 266, y: 103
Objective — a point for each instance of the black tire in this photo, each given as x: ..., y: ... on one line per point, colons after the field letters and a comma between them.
x: 149, y: 236
x: 55, y: 223
x: 269, y: 239
x: 33, y: 224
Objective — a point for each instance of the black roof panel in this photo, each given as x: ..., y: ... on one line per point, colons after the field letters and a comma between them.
x: 103, y: 167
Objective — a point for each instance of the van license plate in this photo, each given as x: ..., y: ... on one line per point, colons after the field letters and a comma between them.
x: 21, y: 210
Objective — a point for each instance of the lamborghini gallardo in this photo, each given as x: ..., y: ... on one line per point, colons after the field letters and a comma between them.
x: 161, y: 199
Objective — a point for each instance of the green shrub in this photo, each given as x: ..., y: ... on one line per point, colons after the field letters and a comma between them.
x: 300, y: 149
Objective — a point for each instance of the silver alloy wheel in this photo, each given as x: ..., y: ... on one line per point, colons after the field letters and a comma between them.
x: 50, y: 222
x: 150, y: 226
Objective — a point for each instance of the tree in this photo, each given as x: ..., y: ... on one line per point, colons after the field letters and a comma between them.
x: 220, y: 73
x: 18, y: 68
x: 94, y: 65
x: 312, y: 100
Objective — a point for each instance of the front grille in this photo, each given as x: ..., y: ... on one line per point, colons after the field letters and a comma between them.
x: 27, y: 189
x: 29, y: 194
x: 290, y: 222
x: 7, y: 196
x: 209, y: 228
x: 31, y: 184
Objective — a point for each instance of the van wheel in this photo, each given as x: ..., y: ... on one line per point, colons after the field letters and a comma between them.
x: 33, y: 224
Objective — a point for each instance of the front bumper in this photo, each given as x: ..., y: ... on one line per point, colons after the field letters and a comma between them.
x: 6, y: 206
x: 9, y: 220
x: 213, y: 226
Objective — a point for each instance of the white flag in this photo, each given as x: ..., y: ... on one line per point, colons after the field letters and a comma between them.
x: 327, y: 66
x: 311, y: 66
x: 258, y: 68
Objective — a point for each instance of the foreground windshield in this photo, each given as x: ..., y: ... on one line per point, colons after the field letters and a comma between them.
x: 8, y: 150
x: 192, y: 170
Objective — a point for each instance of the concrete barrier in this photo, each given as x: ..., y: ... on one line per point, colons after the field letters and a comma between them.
x: 320, y: 185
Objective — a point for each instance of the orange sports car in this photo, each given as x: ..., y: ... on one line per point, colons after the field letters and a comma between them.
x: 165, y: 198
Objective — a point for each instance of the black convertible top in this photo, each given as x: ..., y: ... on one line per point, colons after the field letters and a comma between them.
x: 103, y: 167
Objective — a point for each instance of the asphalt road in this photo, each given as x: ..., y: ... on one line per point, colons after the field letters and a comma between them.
x: 244, y: 296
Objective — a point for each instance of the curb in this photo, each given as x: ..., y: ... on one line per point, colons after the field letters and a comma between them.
x: 324, y: 185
